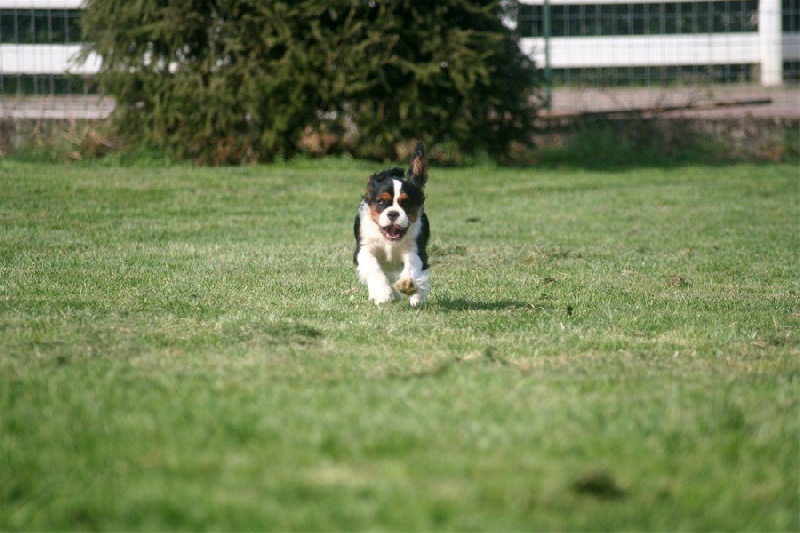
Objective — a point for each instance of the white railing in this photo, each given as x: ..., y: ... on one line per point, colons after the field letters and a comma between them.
x: 45, y: 59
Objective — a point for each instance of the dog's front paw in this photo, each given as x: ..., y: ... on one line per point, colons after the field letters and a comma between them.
x: 381, y: 295
x: 416, y: 300
x: 406, y: 286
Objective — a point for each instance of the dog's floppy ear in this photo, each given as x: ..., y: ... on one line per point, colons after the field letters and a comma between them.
x: 371, y: 184
x: 418, y: 170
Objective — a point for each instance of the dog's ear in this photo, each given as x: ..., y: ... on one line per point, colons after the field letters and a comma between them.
x: 418, y: 170
x: 371, y: 184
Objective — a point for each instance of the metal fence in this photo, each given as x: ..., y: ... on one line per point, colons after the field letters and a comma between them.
x: 598, y: 55
x: 650, y: 54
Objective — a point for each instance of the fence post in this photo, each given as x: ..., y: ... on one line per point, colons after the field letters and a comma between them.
x: 770, y: 42
x: 548, y: 70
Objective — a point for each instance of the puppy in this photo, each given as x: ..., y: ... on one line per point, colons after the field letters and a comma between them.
x: 392, y: 232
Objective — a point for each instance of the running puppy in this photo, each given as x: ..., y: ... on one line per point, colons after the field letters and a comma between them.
x: 392, y: 232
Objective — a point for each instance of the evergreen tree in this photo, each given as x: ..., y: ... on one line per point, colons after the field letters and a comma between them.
x: 232, y: 81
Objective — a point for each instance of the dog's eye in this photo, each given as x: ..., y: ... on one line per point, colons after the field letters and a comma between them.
x: 380, y: 203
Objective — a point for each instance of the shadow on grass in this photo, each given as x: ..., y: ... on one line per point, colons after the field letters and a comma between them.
x: 461, y: 304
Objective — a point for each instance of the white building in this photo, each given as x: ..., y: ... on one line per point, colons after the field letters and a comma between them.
x: 623, y: 42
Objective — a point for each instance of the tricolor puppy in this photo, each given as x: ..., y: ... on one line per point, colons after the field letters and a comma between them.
x: 392, y: 231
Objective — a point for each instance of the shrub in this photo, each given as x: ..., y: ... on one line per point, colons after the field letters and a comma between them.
x: 236, y: 81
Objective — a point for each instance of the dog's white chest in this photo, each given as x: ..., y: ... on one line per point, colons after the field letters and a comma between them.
x: 389, y: 255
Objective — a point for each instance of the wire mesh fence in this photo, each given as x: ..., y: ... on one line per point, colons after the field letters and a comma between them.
x: 594, y: 56
x: 654, y: 54
x: 40, y: 76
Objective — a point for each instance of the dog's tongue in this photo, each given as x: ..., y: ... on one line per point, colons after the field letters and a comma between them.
x: 394, y: 230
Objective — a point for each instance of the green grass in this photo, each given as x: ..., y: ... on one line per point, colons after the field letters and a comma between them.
x: 187, y: 348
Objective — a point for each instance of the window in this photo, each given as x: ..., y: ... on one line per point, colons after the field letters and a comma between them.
x: 45, y: 84
x: 667, y: 18
x: 40, y: 26
x: 676, y: 75
x: 790, y: 13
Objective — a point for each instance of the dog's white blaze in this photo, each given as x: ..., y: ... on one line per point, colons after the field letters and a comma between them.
x: 398, y: 187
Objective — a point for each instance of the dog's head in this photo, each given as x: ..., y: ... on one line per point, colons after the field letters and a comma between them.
x: 395, y: 198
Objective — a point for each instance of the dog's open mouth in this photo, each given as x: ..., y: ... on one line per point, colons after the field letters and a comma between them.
x: 393, y: 232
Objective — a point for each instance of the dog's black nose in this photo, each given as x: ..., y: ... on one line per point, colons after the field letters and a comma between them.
x: 392, y: 215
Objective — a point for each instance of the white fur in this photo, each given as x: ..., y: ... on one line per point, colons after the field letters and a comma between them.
x: 382, y: 264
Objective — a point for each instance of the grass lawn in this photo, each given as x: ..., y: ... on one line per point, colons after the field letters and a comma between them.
x: 189, y: 348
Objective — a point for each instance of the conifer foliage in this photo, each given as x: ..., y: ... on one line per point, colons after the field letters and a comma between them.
x: 236, y: 81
